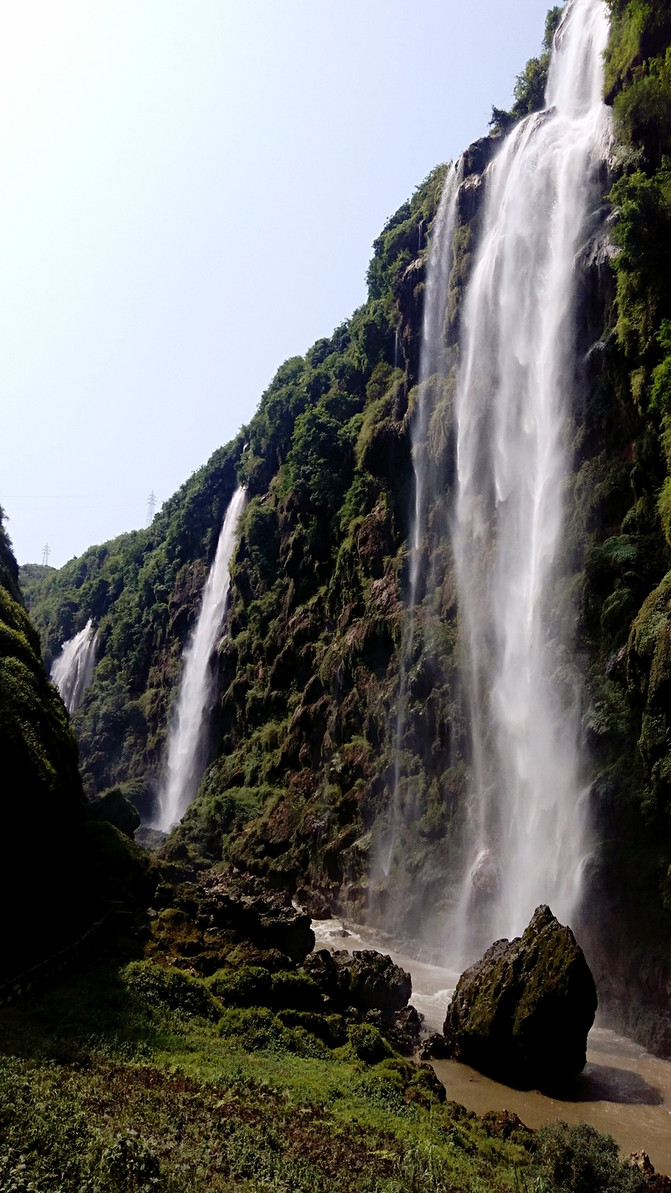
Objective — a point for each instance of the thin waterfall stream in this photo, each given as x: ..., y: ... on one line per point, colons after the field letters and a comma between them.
x: 438, y: 270
x: 187, y: 737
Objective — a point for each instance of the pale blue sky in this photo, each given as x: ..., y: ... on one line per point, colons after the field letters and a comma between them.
x: 189, y: 191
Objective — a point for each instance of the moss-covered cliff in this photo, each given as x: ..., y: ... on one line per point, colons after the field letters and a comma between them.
x: 304, y: 750
x: 43, y: 804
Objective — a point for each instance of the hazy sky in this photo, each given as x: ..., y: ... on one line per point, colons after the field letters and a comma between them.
x: 189, y: 191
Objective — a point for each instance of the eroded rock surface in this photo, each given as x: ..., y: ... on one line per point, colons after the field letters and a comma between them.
x: 522, y: 1013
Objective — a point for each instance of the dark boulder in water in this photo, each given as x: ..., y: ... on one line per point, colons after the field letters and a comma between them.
x: 522, y: 1013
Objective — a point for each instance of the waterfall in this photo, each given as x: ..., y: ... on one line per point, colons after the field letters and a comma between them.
x: 187, y: 738
x: 432, y: 361
x: 528, y: 831
x: 72, y: 671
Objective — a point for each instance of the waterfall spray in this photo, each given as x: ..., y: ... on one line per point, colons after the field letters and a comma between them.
x: 528, y: 830
x: 72, y: 671
x: 196, y: 694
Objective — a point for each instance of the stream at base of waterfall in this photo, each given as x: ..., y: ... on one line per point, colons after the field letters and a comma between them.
x: 623, y: 1090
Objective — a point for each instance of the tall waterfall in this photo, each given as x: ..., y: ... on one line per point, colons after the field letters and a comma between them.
x: 438, y: 267
x: 72, y: 671
x: 528, y: 828
x: 188, y: 731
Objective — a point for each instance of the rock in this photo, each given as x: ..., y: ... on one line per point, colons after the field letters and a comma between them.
x: 434, y: 1047
x: 479, y: 154
x: 323, y: 969
x: 314, y: 902
x: 264, y: 917
x: 641, y: 1160
x: 505, y: 1124
x: 365, y: 982
x: 523, y: 1012
x: 376, y: 983
x: 656, y: 1182
x: 113, y: 806
x: 405, y: 1032
x: 485, y: 876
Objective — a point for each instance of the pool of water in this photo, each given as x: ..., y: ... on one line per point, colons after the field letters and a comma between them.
x: 623, y: 1089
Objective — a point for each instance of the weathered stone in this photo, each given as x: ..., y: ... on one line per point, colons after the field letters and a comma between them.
x: 323, y: 969
x: 522, y: 1013
x: 434, y: 1047
x: 365, y: 982
x: 376, y: 983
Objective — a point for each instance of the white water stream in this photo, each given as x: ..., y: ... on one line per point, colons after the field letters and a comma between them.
x: 188, y: 731
x: 529, y: 832
x: 72, y: 671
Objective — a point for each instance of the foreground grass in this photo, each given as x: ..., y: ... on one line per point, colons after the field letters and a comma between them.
x: 106, y: 1089
x: 101, y: 1091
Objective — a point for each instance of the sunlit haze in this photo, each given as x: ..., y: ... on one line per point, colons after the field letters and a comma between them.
x: 189, y: 193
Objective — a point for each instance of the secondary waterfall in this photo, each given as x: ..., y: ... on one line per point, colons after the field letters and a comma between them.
x: 438, y: 267
x: 72, y: 671
x: 197, y: 690
x: 528, y: 826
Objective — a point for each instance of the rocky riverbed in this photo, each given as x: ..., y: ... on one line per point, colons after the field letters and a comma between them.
x: 623, y: 1089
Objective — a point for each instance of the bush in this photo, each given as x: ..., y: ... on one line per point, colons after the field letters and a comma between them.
x: 297, y: 991
x: 249, y: 986
x: 130, y: 1165
x: 257, y: 1028
x: 161, y: 986
x: 580, y: 1159
x: 368, y: 1044
x: 329, y: 1028
x: 256, y: 986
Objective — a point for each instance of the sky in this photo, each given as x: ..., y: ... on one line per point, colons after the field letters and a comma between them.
x: 189, y: 192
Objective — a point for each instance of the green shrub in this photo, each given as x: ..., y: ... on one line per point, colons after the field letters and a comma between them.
x: 249, y: 986
x: 257, y: 1029
x: 579, y: 1159
x: 366, y: 1041
x: 256, y: 986
x: 329, y: 1028
x: 297, y: 991
x: 129, y: 1165
x: 161, y: 986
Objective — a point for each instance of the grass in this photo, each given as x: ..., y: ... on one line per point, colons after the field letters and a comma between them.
x: 102, y: 1091
x: 134, y: 1077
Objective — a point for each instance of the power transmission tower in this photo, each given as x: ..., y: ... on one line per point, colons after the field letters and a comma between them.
x: 151, y: 507
x: 46, y: 552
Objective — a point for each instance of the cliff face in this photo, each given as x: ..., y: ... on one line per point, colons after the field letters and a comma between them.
x: 43, y: 803
x: 304, y: 754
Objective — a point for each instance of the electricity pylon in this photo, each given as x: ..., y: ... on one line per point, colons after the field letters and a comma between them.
x: 151, y: 507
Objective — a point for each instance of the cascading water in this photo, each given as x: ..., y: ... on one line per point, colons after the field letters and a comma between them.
x: 188, y: 731
x: 439, y: 264
x: 528, y: 829
x: 72, y: 671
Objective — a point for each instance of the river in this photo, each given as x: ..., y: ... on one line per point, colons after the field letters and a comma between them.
x: 623, y: 1089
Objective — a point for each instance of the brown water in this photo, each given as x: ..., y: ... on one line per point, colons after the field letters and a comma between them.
x: 623, y: 1089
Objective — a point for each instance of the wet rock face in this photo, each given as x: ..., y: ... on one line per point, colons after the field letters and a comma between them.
x: 523, y: 1012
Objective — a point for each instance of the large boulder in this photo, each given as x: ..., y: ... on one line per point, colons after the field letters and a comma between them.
x: 523, y: 1012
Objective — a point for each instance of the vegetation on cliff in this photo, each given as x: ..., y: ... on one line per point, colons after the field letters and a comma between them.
x: 43, y: 804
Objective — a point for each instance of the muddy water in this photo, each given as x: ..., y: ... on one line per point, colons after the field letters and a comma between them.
x: 623, y: 1090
